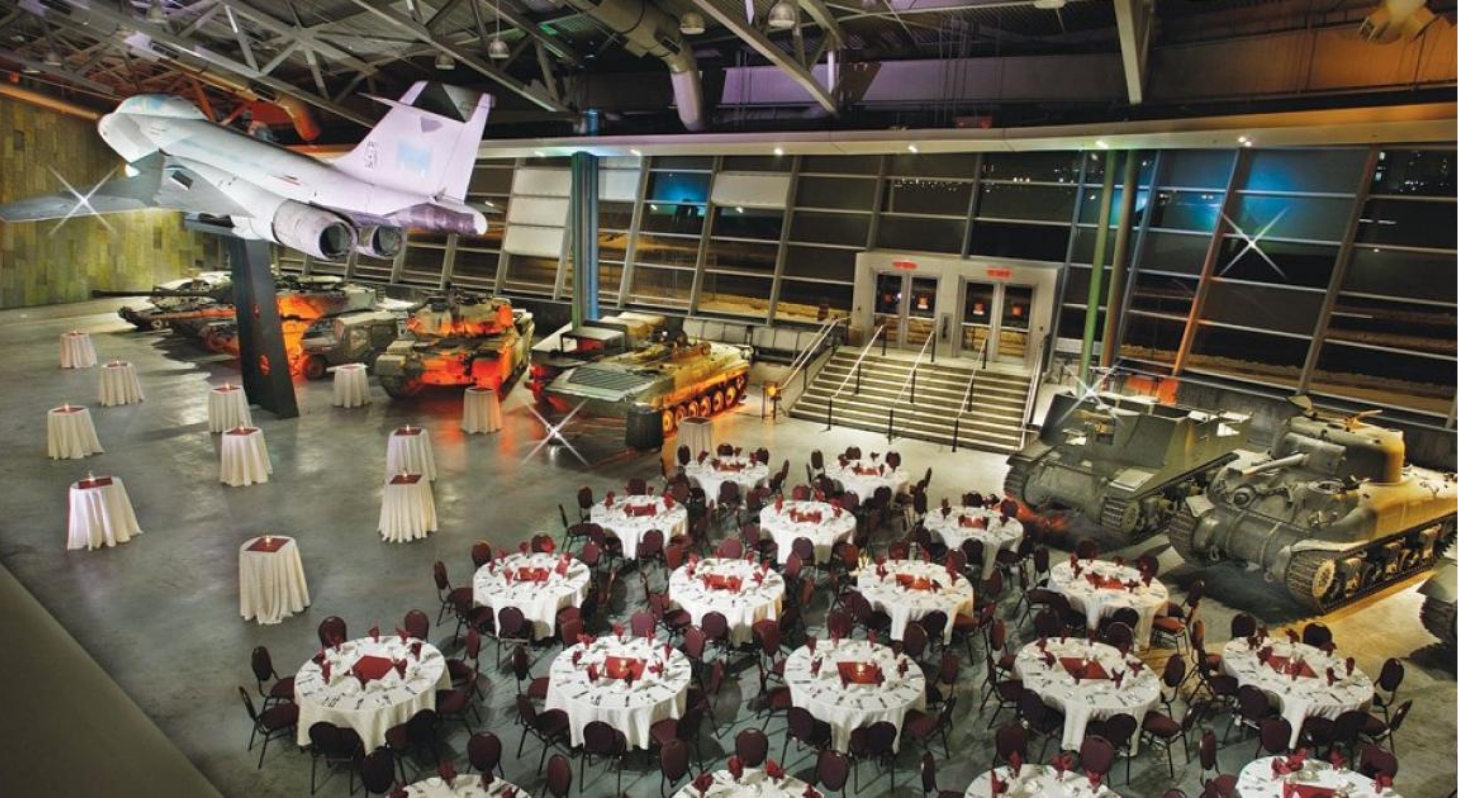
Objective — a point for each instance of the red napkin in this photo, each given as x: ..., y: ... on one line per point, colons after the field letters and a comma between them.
x: 702, y: 457
x: 400, y: 667
x: 1015, y: 762
x: 1337, y: 760
x: 656, y: 669
x: 1264, y: 654
x: 399, y: 792
x: 901, y: 666
x: 619, y: 630
x: 261, y: 544
x: 774, y: 770
x: 780, y: 504
x: 608, y: 500
x: 1279, y: 767
x: 1117, y: 677
x: 1049, y: 659
x: 871, y: 636
x: 1328, y: 648
x: 1095, y: 778
x: 758, y: 577
x: 592, y: 674
x: 668, y: 500
x: 1073, y: 560
x: 1062, y: 763
x: 585, y: 640
x: 508, y: 792
x: 1137, y: 667
x: 1351, y: 663
x: 319, y: 658
x: 1381, y: 781
x: 810, y: 643
x: 667, y: 651
x: 415, y: 649
x: 375, y: 633
x: 404, y: 635
x: 1146, y: 578
x: 997, y: 785
x: 736, y: 767
x: 1331, y: 677
x: 1292, y: 636
x: 447, y: 772
x: 576, y: 656
x: 562, y: 566
x: 324, y: 670
x: 704, y: 782
x: 524, y: 547
x: 815, y: 666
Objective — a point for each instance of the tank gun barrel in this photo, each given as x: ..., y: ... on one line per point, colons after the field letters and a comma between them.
x: 1270, y: 465
x: 97, y: 293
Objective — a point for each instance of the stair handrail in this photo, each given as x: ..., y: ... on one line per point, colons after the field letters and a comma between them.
x: 808, y: 353
x: 856, y: 367
x: 979, y: 361
x: 1032, y: 393
x: 909, y: 382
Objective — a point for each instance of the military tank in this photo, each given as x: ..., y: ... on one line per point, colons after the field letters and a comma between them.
x: 457, y: 338
x: 1124, y: 461
x: 677, y: 378
x: 302, y: 301
x: 1440, y: 599
x: 208, y: 295
x: 1332, y: 511
x: 573, y: 345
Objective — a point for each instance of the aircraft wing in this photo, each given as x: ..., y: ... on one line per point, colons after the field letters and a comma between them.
x: 114, y: 196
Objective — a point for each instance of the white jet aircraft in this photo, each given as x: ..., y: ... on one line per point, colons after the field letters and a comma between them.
x: 411, y: 171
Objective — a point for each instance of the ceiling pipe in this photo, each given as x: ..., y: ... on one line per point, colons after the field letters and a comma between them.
x: 49, y: 103
x: 649, y: 30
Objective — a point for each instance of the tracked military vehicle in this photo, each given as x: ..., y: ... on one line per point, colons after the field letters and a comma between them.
x: 1440, y: 599
x: 1332, y: 511
x: 1124, y: 461
x: 457, y: 338
x: 208, y: 295
x: 302, y: 301
x: 573, y: 345
x: 351, y: 338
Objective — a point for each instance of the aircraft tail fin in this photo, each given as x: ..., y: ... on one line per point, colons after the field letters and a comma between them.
x: 426, y: 143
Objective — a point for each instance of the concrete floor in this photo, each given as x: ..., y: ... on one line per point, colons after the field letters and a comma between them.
x: 160, y: 614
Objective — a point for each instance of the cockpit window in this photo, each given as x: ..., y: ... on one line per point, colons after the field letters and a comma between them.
x: 160, y: 105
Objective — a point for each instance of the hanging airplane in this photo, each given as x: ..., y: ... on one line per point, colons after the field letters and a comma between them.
x: 410, y: 171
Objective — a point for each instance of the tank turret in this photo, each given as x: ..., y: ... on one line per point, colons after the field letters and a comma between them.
x: 1333, y: 511
x: 457, y: 338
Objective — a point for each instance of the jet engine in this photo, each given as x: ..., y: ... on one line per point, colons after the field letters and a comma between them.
x: 313, y: 231
x: 380, y: 242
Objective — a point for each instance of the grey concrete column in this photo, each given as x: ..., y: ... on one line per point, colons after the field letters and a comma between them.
x: 1119, y: 267
x: 583, y: 220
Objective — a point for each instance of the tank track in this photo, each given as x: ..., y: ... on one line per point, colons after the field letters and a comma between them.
x: 1111, y: 518
x: 1438, y: 618
x: 1181, y: 531
x: 1017, y: 477
x: 1308, y: 570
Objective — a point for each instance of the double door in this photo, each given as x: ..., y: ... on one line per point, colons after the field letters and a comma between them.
x: 996, y: 316
x: 906, y: 306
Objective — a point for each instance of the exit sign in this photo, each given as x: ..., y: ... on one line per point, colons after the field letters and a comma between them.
x: 999, y: 273
x: 904, y: 265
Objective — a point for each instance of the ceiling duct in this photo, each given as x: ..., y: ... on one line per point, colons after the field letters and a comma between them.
x: 647, y: 30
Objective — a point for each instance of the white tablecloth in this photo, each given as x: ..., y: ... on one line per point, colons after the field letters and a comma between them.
x: 846, y: 708
x: 481, y: 411
x: 244, y: 457
x: 715, y: 471
x: 1258, y: 781
x: 409, y: 452
x: 631, y: 710
x: 466, y: 785
x: 228, y: 408
x: 538, y: 601
x: 1038, y: 781
x: 1303, y: 696
x: 630, y: 528
x: 975, y: 523
x: 753, y: 783
x: 70, y: 435
x: 408, y: 509
x: 271, y: 583
x: 699, y: 594
x: 381, y: 703
x: 906, y: 602
x: 697, y: 434
x: 1088, y: 699
x: 1097, y: 602
x: 785, y: 521
x: 351, y: 385
x: 862, y: 477
x: 77, y: 351
x: 119, y: 384
x: 100, y: 514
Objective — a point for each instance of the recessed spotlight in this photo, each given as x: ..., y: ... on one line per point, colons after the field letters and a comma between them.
x: 739, y: 209
x: 636, y: 153
x: 540, y: 154
x: 1242, y: 139
x: 1101, y: 144
x: 912, y: 148
x: 652, y: 207
x: 1248, y: 143
x: 779, y: 150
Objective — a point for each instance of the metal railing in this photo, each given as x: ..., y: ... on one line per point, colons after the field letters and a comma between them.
x: 911, y: 382
x: 856, y: 371
x: 798, y: 365
x: 1031, y: 396
x: 979, y: 362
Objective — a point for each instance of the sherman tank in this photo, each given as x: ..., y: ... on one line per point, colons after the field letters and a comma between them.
x: 457, y: 339
x: 208, y: 295
x: 1332, y: 511
x: 676, y: 378
x: 1440, y: 598
x: 1126, y: 462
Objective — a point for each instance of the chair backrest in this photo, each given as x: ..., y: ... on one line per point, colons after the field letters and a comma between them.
x: 521, y: 664
x: 767, y: 633
x: 1391, y: 676
x: 1119, y: 635
x: 804, y: 548
x: 559, y: 776
x: 935, y: 624
x: 543, y: 544
x: 928, y: 773
x: 584, y: 498
x: 1009, y: 739
x: 422, y: 726
x: 442, y: 582
x: 1398, y: 716
x: 333, y: 630
x: 1242, y: 625
x: 600, y: 738
x: 262, y: 664
x: 1316, y: 634
x: 728, y: 492
x: 650, y: 544
x: 992, y: 587
x: 694, y: 641
x: 484, y: 751
x: 567, y: 631
x: 1207, y: 751
x: 417, y: 624
x: 881, y: 737
x: 1347, y: 725
x: 248, y: 704
x: 1147, y: 564
x: 730, y: 549
x: 1253, y: 702
x: 997, y: 635
x: 1031, y: 707
x: 832, y: 770
x: 800, y: 724
x: 1087, y: 549
x: 1174, y: 671
x: 1375, y: 759
x: 1119, y: 729
x: 526, y: 711
x: 1047, y: 624
x: 324, y: 737
x: 1275, y: 735
x: 1096, y: 754
x: 637, y: 486
x: 751, y: 746
x: 913, y: 640
x: 839, y: 623
x: 673, y: 757
x: 684, y: 456
x: 643, y: 624
x: 511, y: 623
x: 1195, y: 592
x: 715, y: 625
x: 481, y: 553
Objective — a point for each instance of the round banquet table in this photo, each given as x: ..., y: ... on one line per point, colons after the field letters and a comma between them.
x: 271, y: 583
x: 480, y: 411
x: 630, y: 516
x: 383, y: 702
x: 409, y: 452
x: 77, y: 351
x: 1110, y: 593
x: 465, y: 785
x: 631, y: 709
x: 408, y: 509
x: 907, y: 590
x: 1094, y: 696
x: 228, y: 408
x: 848, y: 707
x: 100, y: 514
x: 961, y: 524
x: 862, y: 477
x: 531, y: 583
x: 351, y: 385
x: 70, y: 435
x: 1038, y: 781
x: 752, y: 783
x: 823, y: 523
x: 244, y: 457
x: 697, y: 433
x: 1308, y: 693
x: 744, y: 591
x: 119, y: 384
x: 1258, y: 780
x: 712, y: 472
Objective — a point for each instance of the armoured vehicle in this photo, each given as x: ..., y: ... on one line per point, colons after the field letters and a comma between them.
x: 1332, y: 511
x: 457, y: 338
x: 351, y: 338
x: 675, y: 378
x: 1125, y: 461
x: 1440, y: 598
x: 571, y: 346
x: 208, y: 295
x: 301, y: 302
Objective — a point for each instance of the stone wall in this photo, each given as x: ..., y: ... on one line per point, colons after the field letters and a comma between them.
x: 40, y: 267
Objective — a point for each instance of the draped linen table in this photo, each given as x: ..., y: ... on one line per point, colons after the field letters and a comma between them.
x: 409, y: 452
x: 1294, y: 676
x: 862, y: 477
x: 1038, y: 781
x: 385, y: 699
x: 534, y: 584
x: 70, y: 435
x: 465, y: 785
x: 100, y: 514
x: 119, y: 384
x: 630, y: 705
x: 752, y: 783
x: 711, y: 472
x: 1099, y: 587
x: 1093, y: 694
x: 829, y: 681
x: 824, y: 524
x: 77, y: 351
x: 271, y: 584
x: 243, y: 458
x: 628, y: 517
x: 228, y: 408
x: 1259, y: 780
x: 480, y: 411
x: 697, y: 433
x: 961, y: 524
x: 407, y: 511
x: 906, y: 590
x: 351, y: 385
x: 742, y: 590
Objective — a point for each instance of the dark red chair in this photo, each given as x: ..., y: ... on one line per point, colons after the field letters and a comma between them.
x: 559, y: 776
x: 1161, y: 731
x: 643, y: 624
x: 1222, y: 784
x: 1087, y: 549
x: 1096, y: 755
x: 1377, y: 731
x: 1118, y: 731
x: 1385, y: 696
x: 1040, y: 719
x: 1375, y: 760
x: 806, y: 730
x: 512, y: 628
x: 442, y: 589
x: 921, y: 727
x: 1316, y: 634
x: 673, y: 763
x: 602, y: 742
x: 876, y: 742
x: 832, y: 771
x: 332, y: 631
x: 282, y: 689
x: 752, y: 747
x: 521, y: 668
x: 278, y: 721
x: 336, y: 746
x: 377, y: 772
x: 483, y: 751
x: 481, y: 553
x: 1010, y: 739
x: 550, y: 728
x: 417, y: 625
x: 929, y: 779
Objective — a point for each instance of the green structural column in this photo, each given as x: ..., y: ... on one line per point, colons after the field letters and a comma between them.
x: 1120, y: 267
x: 1096, y: 281
x: 584, y: 237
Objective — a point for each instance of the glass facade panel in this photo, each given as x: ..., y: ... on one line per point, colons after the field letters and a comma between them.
x: 491, y: 179
x: 423, y: 265
x: 704, y: 162
x: 735, y: 294
x: 741, y: 222
x: 1038, y: 167
x: 1146, y: 337
x: 1160, y: 293
x: 820, y: 263
x: 1423, y: 173
x: 1312, y: 218
x: 741, y: 256
x: 941, y: 197
x: 841, y: 164
x: 1088, y: 211
x: 668, y: 287
x: 1173, y: 252
x: 756, y: 163
x: 1420, y: 383
x: 830, y: 228
x: 531, y: 274
x: 1394, y: 272
x: 678, y: 187
x: 662, y: 217
x: 475, y: 268
x: 1325, y: 171
x: 1026, y: 241
x: 1248, y: 355
x: 615, y: 215
x: 1414, y: 223
x: 1428, y: 329
x: 805, y: 301
x: 1084, y: 239
x: 959, y: 165
x: 1186, y: 210
x: 1263, y: 307
x: 1197, y: 168
x: 839, y: 193
x: 667, y: 250
x: 1276, y: 262
x: 609, y: 280
x: 925, y: 235
x: 1094, y: 171
x: 612, y: 245
x: 1023, y: 201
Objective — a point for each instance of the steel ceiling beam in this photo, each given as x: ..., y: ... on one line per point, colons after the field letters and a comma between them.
x: 798, y: 72
x: 825, y: 19
x: 296, y: 33
x: 531, y: 28
x: 57, y: 72
x: 1135, y: 21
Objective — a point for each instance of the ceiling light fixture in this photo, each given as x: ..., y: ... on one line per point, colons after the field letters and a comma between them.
x: 156, y: 14
x: 691, y: 23
x: 497, y: 49
x: 636, y: 153
x: 444, y: 61
x: 52, y: 59
x: 1248, y: 143
x: 539, y: 154
x: 782, y: 16
x: 1101, y: 144
x: 1049, y: 5
x: 912, y: 148
x: 779, y: 150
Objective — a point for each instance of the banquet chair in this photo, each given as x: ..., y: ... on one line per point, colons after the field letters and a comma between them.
x: 728, y: 502
x: 975, y: 552
x: 543, y: 544
x: 442, y: 589
x: 874, y: 742
x: 913, y: 641
x: 377, y: 772
x: 1161, y: 730
x: 1096, y: 755
x: 817, y: 462
x: 1377, y: 731
x: 1147, y: 563
x: 673, y: 621
x: 751, y: 746
x: 637, y: 486
x: 452, y: 704
x: 761, y: 455
x: 724, y: 450
x: 521, y: 668
x: 277, y: 721
x: 1120, y: 635
x: 1374, y: 760
x: 921, y: 727
x: 1087, y: 549
x: 417, y: 625
x: 481, y: 551
x: 600, y: 741
x: 806, y: 730
x: 1346, y: 729
x: 282, y: 689
x: 730, y: 549
x: 470, y: 616
x: 832, y: 771
x: 716, y: 632
x: 1252, y: 706
x: 483, y: 751
x: 768, y: 643
x: 1242, y: 625
x: 1047, y: 624
x: 991, y: 589
x: 419, y: 733
x: 1274, y: 738
x: 1221, y: 784
x: 568, y: 630
x: 674, y: 554
x: 1009, y: 739
x: 839, y: 623
x: 1173, y: 677
x: 550, y: 728
x: 1384, y: 697
x: 591, y: 554
x: 695, y: 647
x: 1009, y: 692
x: 584, y: 504
x: 998, y: 648
x: 944, y: 683
x: 1041, y: 719
x: 559, y: 776
x: 869, y: 618
x: 512, y: 628
x: 934, y: 623
x: 650, y: 549
x: 332, y: 631
x: 1316, y: 634
x: 1317, y: 733
x: 643, y: 623
x: 684, y: 456
x: 610, y: 546
x: 929, y: 779
x: 1118, y: 731
x: 336, y: 746
x: 704, y: 701
x: 673, y: 762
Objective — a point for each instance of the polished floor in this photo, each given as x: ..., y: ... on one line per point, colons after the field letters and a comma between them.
x: 160, y: 614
